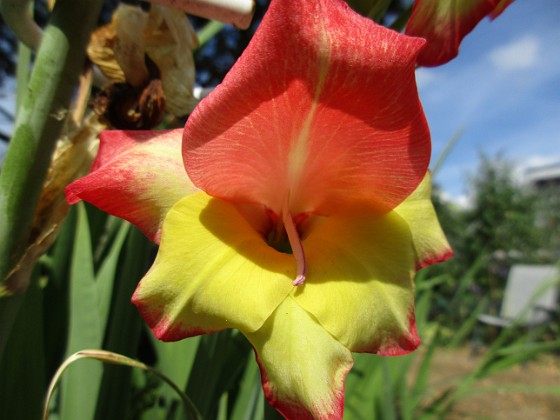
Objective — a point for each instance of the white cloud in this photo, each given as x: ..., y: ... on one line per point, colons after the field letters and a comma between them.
x: 462, y: 201
x: 540, y: 160
x: 424, y: 77
x: 523, y: 53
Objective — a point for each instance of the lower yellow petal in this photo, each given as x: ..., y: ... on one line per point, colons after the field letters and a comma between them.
x: 212, y: 271
x: 430, y: 243
x: 359, y: 282
x: 302, y: 366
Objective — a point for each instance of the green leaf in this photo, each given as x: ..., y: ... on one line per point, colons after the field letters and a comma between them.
x: 56, y: 294
x: 81, y: 384
x: 22, y: 369
x: 106, y: 275
x: 219, y: 363
x: 125, y: 324
x: 249, y: 401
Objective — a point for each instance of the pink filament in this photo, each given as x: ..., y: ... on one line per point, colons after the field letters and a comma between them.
x: 295, y: 243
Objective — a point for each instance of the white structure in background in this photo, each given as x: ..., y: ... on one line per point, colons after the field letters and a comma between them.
x: 544, y: 176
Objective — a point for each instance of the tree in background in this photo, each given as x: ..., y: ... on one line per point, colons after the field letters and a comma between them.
x: 500, y: 227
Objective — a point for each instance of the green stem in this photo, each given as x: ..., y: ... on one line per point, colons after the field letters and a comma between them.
x: 208, y: 32
x: 40, y: 120
x: 399, y: 24
x: 38, y: 125
x: 18, y: 15
x: 22, y: 67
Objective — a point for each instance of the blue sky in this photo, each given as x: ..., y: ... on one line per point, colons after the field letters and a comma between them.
x: 503, y: 90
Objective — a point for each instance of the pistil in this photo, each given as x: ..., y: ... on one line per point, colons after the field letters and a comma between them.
x: 295, y: 243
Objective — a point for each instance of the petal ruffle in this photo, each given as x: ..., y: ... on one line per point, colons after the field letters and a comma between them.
x: 138, y: 176
x: 444, y: 24
x: 359, y: 282
x: 302, y: 366
x: 307, y: 116
x: 213, y: 271
x: 429, y: 241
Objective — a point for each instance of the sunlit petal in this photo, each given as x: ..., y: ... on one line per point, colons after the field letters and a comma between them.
x: 308, y: 115
x: 359, y: 283
x: 430, y: 243
x: 213, y: 271
x: 302, y: 366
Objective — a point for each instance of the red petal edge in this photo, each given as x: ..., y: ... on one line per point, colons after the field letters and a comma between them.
x: 406, y: 343
x: 162, y: 326
x: 131, y: 180
x: 293, y: 410
x: 445, y: 33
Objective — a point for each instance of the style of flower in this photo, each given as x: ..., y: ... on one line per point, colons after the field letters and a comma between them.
x: 304, y: 210
x: 444, y: 24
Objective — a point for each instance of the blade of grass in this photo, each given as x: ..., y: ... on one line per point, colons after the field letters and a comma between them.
x: 123, y: 330
x: 117, y: 359
x: 56, y: 294
x: 22, y: 370
x: 420, y: 385
x: 106, y: 275
x: 250, y: 394
x: 81, y: 384
x: 387, y: 401
x: 447, y: 149
x: 220, y: 360
x: 208, y: 32
x: 468, y: 326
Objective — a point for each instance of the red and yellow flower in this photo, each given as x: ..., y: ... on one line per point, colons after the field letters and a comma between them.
x: 294, y: 206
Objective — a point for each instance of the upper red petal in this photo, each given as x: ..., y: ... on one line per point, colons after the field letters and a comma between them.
x: 322, y: 108
x: 444, y: 24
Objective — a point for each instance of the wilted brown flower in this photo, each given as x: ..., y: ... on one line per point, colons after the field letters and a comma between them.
x: 136, y: 49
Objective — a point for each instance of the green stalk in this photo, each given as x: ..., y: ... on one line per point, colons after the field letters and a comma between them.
x: 209, y: 31
x: 40, y: 120
x: 38, y: 125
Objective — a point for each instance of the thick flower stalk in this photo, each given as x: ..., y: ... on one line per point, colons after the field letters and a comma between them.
x: 444, y: 24
x: 294, y: 206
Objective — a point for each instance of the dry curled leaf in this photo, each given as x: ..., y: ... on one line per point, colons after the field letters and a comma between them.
x: 72, y: 158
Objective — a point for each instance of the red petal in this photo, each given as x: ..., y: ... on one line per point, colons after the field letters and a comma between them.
x: 137, y: 176
x: 502, y: 4
x: 321, y: 109
x: 444, y: 24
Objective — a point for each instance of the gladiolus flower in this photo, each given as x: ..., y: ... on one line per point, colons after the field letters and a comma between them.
x: 304, y: 210
x: 444, y: 24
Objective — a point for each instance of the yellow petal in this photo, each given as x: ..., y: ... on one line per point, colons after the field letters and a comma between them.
x: 213, y: 271
x: 302, y: 366
x: 359, y: 281
x: 430, y: 243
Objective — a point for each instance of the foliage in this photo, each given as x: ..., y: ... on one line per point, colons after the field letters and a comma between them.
x: 502, y: 217
x: 506, y: 222
x: 548, y: 222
